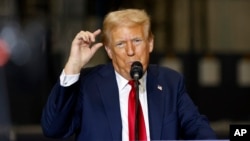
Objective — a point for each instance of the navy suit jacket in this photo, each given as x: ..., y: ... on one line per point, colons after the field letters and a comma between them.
x: 90, y: 108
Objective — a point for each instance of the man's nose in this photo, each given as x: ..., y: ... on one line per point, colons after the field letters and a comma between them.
x: 130, y: 49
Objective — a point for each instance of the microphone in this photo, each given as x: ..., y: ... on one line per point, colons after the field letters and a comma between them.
x: 136, y: 73
x: 136, y: 70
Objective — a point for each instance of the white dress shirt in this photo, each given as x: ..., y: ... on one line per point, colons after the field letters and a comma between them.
x: 124, y: 89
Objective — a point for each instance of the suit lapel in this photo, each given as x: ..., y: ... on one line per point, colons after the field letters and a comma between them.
x: 110, y: 96
x: 155, y: 103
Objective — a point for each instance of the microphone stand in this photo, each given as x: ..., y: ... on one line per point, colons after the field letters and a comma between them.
x: 136, y: 109
x: 136, y: 73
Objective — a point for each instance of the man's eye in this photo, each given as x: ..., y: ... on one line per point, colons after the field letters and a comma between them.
x: 137, y: 41
x: 120, y: 44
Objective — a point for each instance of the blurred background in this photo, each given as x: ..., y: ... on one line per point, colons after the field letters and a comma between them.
x: 208, y: 41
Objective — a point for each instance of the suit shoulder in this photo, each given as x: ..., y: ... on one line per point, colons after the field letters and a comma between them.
x: 166, y: 75
x: 98, y: 71
x: 88, y: 71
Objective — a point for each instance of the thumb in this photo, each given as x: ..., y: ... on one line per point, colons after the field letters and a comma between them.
x: 95, y: 47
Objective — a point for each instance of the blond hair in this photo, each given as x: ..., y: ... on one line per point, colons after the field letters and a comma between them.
x: 125, y: 17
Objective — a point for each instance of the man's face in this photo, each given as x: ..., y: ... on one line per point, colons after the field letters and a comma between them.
x: 129, y: 44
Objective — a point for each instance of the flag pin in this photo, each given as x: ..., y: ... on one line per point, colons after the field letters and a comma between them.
x: 159, y: 87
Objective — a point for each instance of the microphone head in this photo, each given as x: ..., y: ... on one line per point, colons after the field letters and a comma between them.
x: 136, y: 70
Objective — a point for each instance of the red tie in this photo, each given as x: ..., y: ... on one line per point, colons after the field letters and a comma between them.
x: 132, y: 116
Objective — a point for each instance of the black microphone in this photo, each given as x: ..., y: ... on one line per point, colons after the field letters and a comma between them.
x: 136, y: 73
x: 136, y: 70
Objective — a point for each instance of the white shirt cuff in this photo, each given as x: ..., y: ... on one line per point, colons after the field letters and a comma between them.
x: 68, y: 80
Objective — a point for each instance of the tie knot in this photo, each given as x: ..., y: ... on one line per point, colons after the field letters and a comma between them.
x: 131, y: 82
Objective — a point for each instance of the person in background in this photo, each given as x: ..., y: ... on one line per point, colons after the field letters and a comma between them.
x: 94, y: 103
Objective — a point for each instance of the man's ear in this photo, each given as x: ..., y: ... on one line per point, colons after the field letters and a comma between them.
x: 109, y: 51
x: 151, y: 45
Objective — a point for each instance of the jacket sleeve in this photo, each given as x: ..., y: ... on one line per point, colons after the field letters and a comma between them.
x: 61, y: 116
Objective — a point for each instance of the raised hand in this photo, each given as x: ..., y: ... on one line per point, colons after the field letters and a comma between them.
x: 82, y: 50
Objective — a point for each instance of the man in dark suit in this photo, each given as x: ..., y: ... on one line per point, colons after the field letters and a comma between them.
x: 92, y: 103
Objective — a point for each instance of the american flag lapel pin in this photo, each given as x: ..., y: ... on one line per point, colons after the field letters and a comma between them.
x: 159, y: 87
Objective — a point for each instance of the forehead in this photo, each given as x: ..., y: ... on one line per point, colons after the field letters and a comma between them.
x: 127, y: 32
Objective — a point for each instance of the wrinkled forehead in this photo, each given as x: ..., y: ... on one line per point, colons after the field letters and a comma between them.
x: 126, y: 32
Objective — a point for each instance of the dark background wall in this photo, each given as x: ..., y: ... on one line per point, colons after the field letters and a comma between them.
x: 38, y: 34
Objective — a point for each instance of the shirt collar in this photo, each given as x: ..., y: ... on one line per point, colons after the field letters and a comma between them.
x: 122, y: 82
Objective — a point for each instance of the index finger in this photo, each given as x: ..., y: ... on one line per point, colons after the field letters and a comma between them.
x: 98, y: 31
x: 95, y: 33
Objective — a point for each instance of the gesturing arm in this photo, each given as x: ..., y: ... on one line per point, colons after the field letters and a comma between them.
x: 61, y: 114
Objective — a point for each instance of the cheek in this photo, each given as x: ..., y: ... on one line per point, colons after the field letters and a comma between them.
x: 144, y: 55
x: 143, y: 52
x: 118, y: 57
x: 119, y: 53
